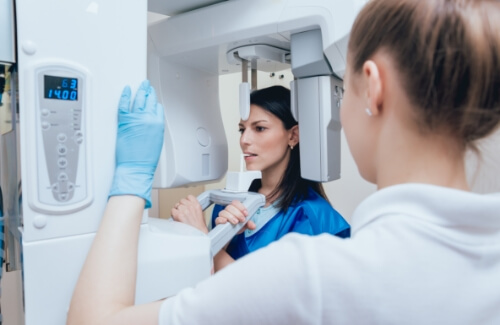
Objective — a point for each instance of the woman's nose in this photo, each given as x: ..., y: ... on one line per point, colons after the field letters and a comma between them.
x: 245, y: 137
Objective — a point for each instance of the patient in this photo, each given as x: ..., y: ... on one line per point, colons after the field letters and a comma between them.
x: 270, y: 143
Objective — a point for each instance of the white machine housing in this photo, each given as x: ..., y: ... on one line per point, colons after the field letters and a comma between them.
x: 73, y: 60
x: 187, y: 53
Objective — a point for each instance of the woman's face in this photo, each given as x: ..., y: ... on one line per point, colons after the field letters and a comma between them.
x: 264, y: 141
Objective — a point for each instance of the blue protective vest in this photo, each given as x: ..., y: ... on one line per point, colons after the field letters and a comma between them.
x: 312, y: 216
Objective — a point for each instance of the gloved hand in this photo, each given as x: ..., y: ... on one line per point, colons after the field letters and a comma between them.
x: 138, y: 143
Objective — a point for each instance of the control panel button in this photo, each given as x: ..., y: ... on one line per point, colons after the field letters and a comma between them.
x: 45, y: 125
x: 62, y: 137
x: 62, y: 162
x: 45, y: 112
x: 62, y: 177
x: 78, y: 137
x: 62, y: 149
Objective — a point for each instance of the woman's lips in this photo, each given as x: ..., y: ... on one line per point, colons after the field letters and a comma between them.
x: 249, y: 156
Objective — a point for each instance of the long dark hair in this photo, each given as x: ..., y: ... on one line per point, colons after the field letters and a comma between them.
x: 292, y: 187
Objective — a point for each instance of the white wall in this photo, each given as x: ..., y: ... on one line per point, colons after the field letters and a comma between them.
x: 483, y: 170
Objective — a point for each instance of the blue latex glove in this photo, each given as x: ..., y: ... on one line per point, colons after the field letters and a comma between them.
x: 138, y: 143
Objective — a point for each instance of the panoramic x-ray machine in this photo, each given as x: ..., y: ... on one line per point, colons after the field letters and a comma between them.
x: 69, y: 61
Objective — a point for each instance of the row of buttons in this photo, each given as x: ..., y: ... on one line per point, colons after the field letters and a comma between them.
x: 76, y: 114
x: 46, y: 126
x: 78, y: 136
x: 64, y: 126
x: 63, y: 188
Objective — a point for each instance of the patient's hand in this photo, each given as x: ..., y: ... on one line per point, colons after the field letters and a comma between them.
x: 189, y: 211
x: 235, y: 213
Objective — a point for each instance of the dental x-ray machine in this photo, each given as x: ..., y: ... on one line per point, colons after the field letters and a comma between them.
x: 71, y: 60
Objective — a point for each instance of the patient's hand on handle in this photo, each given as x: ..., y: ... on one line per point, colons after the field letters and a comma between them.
x: 188, y: 211
x: 235, y: 213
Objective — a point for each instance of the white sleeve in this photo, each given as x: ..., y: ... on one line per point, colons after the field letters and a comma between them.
x: 279, y: 284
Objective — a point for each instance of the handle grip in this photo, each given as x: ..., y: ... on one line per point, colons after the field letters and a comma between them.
x: 223, y: 233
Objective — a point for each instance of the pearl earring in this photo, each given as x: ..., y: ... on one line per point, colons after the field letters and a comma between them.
x: 368, y: 112
x: 291, y: 147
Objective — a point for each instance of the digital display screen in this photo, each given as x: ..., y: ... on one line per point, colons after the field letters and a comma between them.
x: 61, y: 88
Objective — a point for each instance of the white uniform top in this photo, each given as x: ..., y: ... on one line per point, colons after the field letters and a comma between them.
x: 419, y: 254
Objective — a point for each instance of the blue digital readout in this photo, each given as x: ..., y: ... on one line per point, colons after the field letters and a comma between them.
x: 61, y: 88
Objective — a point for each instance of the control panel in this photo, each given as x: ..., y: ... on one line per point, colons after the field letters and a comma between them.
x: 60, y: 111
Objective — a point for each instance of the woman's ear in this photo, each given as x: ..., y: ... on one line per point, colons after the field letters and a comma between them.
x: 374, y: 90
x: 294, y: 136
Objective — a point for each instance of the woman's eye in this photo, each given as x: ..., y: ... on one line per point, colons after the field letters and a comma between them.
x: 241, y: 130
x: 260, y: 128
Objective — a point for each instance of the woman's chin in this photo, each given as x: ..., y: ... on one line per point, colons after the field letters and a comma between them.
x: 251, y: 167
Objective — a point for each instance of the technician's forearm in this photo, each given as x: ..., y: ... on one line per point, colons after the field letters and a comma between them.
x: 107, y: 280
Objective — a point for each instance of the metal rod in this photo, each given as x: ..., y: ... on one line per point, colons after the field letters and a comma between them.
x: 254, y: 75
x: 244, y: 70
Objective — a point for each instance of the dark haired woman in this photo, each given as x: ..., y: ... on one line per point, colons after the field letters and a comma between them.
x: 270, y: 143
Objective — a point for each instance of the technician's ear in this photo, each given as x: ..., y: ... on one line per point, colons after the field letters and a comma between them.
x: 371, y: 74
x: 294, y: 136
